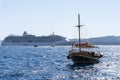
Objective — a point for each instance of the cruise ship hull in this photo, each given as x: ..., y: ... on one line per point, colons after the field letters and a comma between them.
x: 32, y: 43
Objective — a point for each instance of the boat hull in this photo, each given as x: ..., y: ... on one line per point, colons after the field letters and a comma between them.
x: 84, y: 57
x: 84, y: 60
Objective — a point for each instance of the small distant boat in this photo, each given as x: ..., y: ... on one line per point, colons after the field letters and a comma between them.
x: 35, y: 45
x: 82, y: 56
x: 53, y: 45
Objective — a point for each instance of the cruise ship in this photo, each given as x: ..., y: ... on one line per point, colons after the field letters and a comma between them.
x: 32, y: 40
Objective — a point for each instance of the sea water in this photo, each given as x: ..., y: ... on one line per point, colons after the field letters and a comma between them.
x: 51, y: 63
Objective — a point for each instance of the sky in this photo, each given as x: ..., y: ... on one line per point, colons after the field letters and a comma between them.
x: 43, y: 17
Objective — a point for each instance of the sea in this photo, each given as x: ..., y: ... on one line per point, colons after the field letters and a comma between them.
x: 51, y: 63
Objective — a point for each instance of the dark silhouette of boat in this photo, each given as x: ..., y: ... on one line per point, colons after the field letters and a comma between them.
x: 82, y: 56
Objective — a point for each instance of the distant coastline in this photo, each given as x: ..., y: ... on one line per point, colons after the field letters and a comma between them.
x: 106, y: 40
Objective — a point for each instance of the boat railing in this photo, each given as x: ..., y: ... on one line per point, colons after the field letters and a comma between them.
x: 96, y: 50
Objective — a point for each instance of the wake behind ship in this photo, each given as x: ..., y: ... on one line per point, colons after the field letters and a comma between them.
x: 32, y: 40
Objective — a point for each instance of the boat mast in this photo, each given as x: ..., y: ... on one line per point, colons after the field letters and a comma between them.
x: 79, y: 32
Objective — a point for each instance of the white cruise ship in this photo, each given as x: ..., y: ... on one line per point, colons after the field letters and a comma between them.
x: 32, y: 40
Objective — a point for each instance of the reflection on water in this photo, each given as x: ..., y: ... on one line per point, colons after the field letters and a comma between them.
x: 48, y: 63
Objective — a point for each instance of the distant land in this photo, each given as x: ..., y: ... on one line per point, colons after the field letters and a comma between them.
x: 106, y: 40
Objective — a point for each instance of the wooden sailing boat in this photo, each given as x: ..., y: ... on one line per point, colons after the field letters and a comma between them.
x: 81, y: 56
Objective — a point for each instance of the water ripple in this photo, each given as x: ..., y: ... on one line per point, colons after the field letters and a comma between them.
x: 48, y: 63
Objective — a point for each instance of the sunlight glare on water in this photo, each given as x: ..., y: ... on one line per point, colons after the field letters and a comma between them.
x: 48, y: 63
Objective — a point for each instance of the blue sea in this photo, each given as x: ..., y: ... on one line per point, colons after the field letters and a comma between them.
x: 51, y: 63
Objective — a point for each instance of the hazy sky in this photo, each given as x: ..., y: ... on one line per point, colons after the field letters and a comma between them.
x: 43, y: 17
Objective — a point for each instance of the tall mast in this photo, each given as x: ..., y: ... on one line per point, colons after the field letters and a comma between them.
x: 79, y: 32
